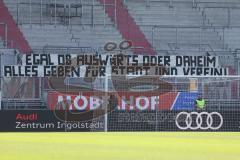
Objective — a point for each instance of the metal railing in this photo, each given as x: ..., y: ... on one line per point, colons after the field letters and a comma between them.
x: 7, y: 43
x: 5, y: 34
x: 169, y: 2
x: 193, y: 2
x: 54, y: 12
x: 23, y: 104
x: 226, y: 20
x: 67, y: 50
x: 217, y: 30
x: 204, y: 5
x: 178, y: 36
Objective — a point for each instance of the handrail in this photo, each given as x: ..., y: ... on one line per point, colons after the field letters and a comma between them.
x: 196, y: 44
x: 189, y: 26
x: 21, y: 99
x: 62, y: 4
x: 193, y: 2
x: 197, y: 3
x: 54, y: 8
x: 194, y: 51
x: 198, y: 31
x: 5, y: 38
x: 222, y: 7
x: 229, y: 9
x: 45, y: 48
x: 185, y: 1
x: 209, y: 2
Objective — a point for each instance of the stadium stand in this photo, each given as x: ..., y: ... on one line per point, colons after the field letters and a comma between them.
x: 128, y: 27
x: 95, y: 37
x: 40, y: 36
x: 224, y: 17
x: 166, y: 24
x: 86, y: 26
x: 170, y: 27
x: 231, y: 38
x: 162, y: 26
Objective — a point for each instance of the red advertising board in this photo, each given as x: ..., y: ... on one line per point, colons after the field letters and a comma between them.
x: 90, y: 101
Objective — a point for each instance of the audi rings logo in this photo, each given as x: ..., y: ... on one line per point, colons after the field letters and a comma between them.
x: 202, y: 120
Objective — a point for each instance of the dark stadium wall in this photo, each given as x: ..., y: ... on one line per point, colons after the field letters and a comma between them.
x: 15, y: 36
x: 128, y: 27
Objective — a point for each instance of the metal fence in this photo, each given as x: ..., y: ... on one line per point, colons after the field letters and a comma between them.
x: 4, y: 34
x: 194, y: 3
x: 197, y: 37
x: 224, y: 14
x: 220, y: 93
x: 42, y: 12
x: 29, y: 93
x: 194, y: 38
x: 221, y: 16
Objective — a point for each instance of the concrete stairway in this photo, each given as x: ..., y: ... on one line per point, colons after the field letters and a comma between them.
x: 95, y: 37
x: 47, y: 35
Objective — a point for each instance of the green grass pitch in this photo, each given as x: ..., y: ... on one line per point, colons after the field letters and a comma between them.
x: 120, y: 146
